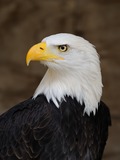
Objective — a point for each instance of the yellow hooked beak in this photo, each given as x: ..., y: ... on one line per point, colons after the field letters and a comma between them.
x: 40, y: 52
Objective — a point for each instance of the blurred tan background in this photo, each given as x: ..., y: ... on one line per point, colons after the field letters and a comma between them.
x: 24, y: 23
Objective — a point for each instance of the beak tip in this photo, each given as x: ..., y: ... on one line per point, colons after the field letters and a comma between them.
x: 27, y: 63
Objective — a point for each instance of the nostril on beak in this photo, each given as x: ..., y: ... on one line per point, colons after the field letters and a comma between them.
x: 41, y: 48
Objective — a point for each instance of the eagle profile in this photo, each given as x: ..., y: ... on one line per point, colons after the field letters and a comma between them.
x: 65, y: 119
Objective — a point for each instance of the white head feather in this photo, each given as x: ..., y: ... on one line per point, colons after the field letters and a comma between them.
x: 78, y: 75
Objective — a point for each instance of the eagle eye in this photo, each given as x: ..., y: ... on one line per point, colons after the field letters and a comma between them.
x: 63, y: 48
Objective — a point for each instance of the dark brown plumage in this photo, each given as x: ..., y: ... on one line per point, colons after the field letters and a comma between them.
x: 36, y: 129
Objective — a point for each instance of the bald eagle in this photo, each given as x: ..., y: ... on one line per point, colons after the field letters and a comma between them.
x: 65, y: 119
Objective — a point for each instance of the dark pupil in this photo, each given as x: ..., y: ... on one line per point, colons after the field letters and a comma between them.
x: 62, y: 47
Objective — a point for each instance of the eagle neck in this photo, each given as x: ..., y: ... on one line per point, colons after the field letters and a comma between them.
x: 56, y: 85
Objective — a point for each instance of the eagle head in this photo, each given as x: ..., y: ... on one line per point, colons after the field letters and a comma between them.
x: 73, y: 70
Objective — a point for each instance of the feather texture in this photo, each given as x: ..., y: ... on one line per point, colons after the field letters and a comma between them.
x: 36, y: 129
